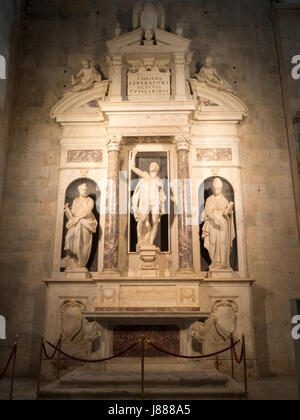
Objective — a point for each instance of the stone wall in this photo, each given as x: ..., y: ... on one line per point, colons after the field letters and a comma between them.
x: 239, y: 34
x: 9, y: 26
x: 286, y: 18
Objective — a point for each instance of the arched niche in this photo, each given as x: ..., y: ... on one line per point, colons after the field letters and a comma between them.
x: 70, y: 195
x: 205, y: 191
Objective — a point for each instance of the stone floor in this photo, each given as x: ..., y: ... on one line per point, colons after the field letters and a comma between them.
x: 262, y: 389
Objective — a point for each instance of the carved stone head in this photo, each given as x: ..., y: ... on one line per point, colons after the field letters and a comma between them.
x: 82, y: 190
x: 209, y: 62
x: 154, y: 169
x: 217, y: 186
x: 86, y: 64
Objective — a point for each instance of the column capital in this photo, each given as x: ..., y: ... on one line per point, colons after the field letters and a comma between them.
x: 114, y: 143
x: 182, y: 141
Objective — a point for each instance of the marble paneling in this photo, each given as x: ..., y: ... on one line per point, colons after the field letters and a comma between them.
x: 164, y: 336
x: 214, y: 155
x: 77, y: 156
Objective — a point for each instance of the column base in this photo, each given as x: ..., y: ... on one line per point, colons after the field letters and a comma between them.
x: 111, y: 273
x: 185, y: 272
x: 77, y: 273
x: 220, y: 274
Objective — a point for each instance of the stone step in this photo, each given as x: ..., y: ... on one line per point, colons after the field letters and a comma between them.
x: 97, y: 385
x: 96, y: 378
x: 134, y: 393
x: 155, y: 364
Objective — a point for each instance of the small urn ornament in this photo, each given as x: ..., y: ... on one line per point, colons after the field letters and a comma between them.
x: 118, y: 30
x: 179, y: 29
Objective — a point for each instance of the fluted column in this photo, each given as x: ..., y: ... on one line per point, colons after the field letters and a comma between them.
x: 111, y: 233
x: 184, y: 205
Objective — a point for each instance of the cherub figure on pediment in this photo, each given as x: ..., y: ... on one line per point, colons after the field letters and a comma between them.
x: 87, y: 77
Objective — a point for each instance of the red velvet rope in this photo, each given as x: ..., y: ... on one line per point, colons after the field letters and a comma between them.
x: 8, y: 362
x: 92, y: 361
x: 194, y: 357
x: 55, y: 351
x: 238, y: 360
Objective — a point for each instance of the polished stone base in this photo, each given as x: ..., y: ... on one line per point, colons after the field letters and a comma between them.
x: 148, y: 262
x: 84, y: 384
x: 77, y: 273
x: 120, y: 304
x: 220, y: 274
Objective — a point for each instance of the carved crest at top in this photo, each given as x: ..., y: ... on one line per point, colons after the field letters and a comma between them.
x: 149, y: 17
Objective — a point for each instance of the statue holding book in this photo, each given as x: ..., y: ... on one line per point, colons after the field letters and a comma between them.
x: 81, y: 225
x: 218, y: 230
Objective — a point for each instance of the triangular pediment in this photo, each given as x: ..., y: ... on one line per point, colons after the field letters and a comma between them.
x: 128, y: 40
x: 216, y: 104
x: 174, y: 42
x: 81, y: 106
x: 130, y: 43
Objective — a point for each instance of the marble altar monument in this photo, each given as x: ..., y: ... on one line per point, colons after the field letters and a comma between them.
x: 159, y: 242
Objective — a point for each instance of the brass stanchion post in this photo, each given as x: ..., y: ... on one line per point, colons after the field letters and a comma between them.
x: 12, y: 382
x: 245, y: 368
x: 59, y: 358
x: 40, y: 370
x: 232, y: 361
x: 142, y: 366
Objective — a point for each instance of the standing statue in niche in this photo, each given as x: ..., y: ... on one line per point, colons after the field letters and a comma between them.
x: 85, y: 79
x: 218, y: 230
x: 210, y: 76
x: 81, y: 225
x: 148, y: 203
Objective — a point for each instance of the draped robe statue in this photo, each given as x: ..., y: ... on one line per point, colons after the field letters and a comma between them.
x: 218, y: 230
x: 210, y: 76
x: 81, y: 226
x: 85, y: 79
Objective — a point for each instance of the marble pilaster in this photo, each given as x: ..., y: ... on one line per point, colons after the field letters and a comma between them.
x: 115, y: 74
x: 180, y: 77
x: 111, y: 234
x: 185, y: 250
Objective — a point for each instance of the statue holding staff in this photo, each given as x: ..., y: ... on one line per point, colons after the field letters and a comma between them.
x: 81, y: 225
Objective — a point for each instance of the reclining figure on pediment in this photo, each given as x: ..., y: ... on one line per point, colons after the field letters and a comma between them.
x: 211, y: 78
x: 87, y: 78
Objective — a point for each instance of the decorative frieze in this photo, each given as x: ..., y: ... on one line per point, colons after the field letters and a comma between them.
x: 214, y: 155
x: 148, y: 139
x: 84, y: 156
